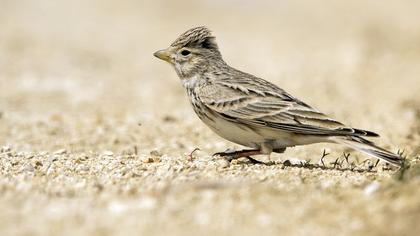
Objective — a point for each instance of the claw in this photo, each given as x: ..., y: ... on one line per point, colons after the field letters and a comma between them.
x: 255, y: 161
x: 233, y: 155
x: 222, y: 154
x: 225, y: 153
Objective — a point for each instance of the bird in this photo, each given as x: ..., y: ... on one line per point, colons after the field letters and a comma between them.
x: 251, y: 111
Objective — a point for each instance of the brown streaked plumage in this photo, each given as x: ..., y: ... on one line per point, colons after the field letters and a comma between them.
x: 251, y: 111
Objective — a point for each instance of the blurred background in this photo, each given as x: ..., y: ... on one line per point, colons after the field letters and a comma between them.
x: 97, y: 55
x: 80, y: 76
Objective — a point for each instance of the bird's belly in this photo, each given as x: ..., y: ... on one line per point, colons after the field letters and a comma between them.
x: 234, y: 132
x: 254, y: 137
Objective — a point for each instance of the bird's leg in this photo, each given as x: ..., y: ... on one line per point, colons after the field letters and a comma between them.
x: 230, y: 156
x: 267, y: 148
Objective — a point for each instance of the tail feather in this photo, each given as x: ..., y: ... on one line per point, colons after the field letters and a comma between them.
x: 370, y: 148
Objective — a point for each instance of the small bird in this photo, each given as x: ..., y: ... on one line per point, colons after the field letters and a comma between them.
x: 253, y: 112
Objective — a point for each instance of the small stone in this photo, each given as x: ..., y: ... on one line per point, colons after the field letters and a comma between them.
x: 20, y: 154
x: 108, y: 153
x: 60, y: 151
x: 38, y: 163
x: 28, y: 168
x: 369, y: 164
x: 82, y: 167
x: 5, y: 149
x: 155, y: 153
x: 223, y: 163
x: 82, y: 157
x: 50, y: 170
x: 155, y: 156
x: 68, y: 163
x: 58, y: 164
x: 386, y: 166
x: 371, y: 188
x: 147, y: 160
x: 295, y: 161
x: 262, y: 178
x: 287, y: 163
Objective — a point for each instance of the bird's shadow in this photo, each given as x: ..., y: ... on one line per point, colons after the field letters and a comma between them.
x: 340, y: 164
x: 312, y: 166
x: 335, y: 167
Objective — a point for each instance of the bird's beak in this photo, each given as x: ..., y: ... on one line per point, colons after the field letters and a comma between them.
x: 165, y: 55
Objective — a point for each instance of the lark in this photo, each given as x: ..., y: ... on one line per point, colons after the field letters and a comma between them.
x: 251, y: 111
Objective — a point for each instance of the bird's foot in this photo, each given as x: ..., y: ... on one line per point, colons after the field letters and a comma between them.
x: 230, y: 156
x: 255, y: 161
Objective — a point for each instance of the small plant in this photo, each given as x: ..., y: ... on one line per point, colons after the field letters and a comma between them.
x: 336, y: 163
x: 324, y: 154
x: 190, y: 156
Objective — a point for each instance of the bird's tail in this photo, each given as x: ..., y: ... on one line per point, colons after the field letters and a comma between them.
x: 370, y: 148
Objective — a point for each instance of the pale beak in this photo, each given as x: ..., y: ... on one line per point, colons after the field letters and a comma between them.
x: 164, y: 54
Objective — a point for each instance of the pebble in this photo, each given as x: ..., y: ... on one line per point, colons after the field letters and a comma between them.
x: 222, y: 163
x: 371, y: 188
x: 5, y: 149
x: 60, y: 151
x: 82, y: 167
x: 28, y: 168
x: 147, y: 160
x: 155, y: 156
x: 52, y: 158
x: 287, y: 163
x: 369, y: 164
x: 155, y: 153
x: 108, y: 153
x: 50, y: 170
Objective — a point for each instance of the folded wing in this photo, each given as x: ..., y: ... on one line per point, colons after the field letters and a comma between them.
x: 257, y: 102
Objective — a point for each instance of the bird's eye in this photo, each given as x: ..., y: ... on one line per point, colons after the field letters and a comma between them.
x: 185, y: 52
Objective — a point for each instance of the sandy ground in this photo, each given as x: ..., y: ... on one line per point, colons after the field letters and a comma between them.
x: 95, y: 133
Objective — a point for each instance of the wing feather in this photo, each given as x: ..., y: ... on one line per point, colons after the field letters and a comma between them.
x: 257, y: 102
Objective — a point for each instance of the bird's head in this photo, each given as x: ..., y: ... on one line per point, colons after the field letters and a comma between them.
x: 192, y: 52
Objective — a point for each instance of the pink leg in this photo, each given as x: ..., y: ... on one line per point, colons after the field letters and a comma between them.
x: 230, y: 156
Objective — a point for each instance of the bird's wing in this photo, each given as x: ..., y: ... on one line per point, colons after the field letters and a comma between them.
x: 254, y: 101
